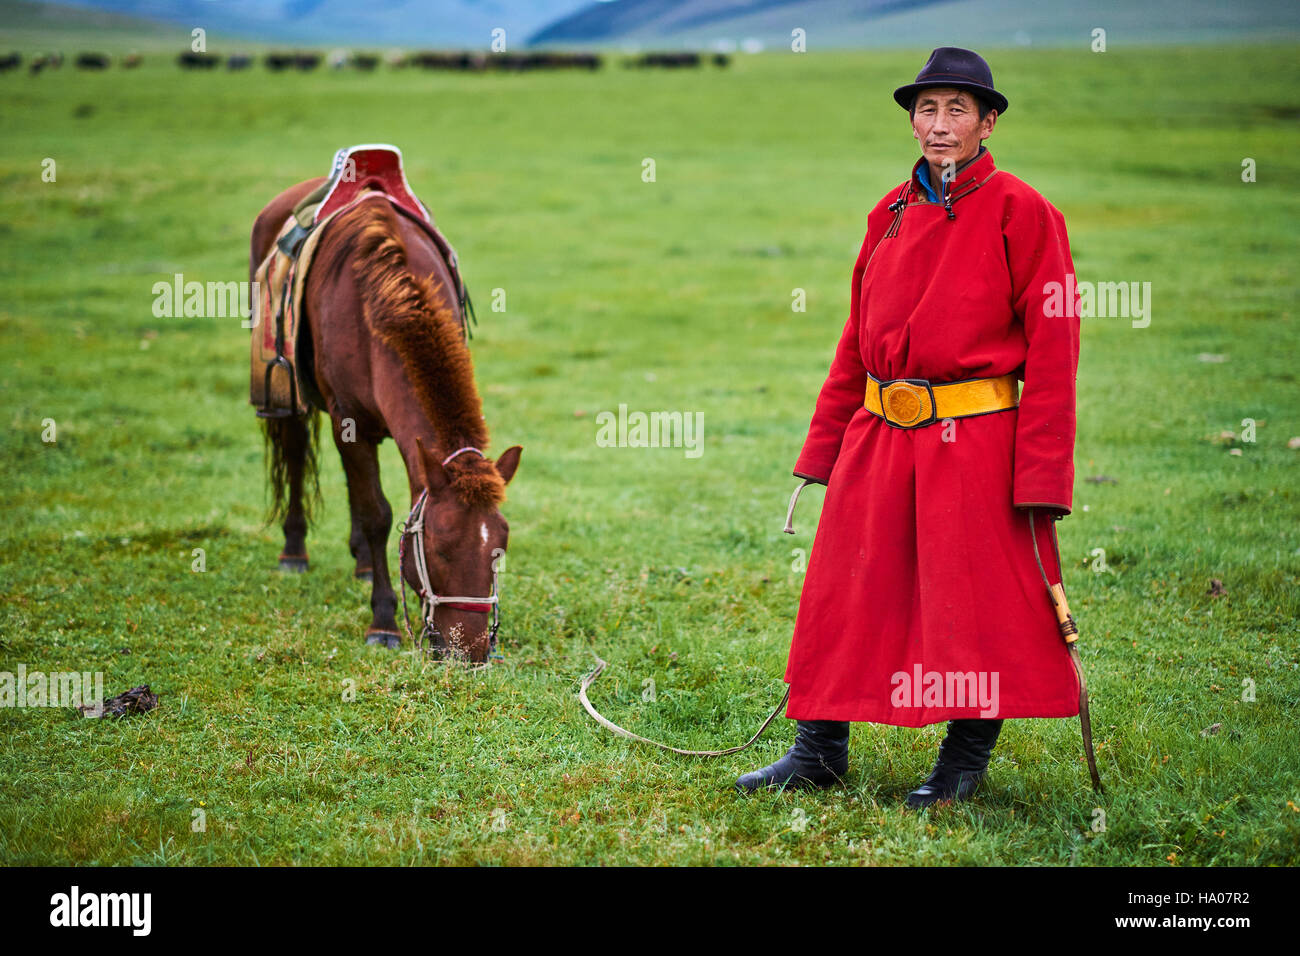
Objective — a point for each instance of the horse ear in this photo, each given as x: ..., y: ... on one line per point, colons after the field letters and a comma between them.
x: 435, y: 476
x: 508, y: 462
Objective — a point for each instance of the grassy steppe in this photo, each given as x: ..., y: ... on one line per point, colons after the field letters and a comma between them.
x: 670, y: 295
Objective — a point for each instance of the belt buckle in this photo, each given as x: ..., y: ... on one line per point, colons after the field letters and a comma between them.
x: 907, y: 402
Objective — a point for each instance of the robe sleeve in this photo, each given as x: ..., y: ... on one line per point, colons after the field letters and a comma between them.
x: 843, y: 392
x: 1038, y: 254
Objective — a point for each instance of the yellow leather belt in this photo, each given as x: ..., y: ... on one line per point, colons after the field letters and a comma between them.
x: 913, y: 402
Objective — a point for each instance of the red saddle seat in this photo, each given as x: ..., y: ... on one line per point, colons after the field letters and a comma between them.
x: 374, y: 166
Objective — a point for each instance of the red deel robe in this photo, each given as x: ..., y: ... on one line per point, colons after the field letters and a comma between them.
x: 922, y: 564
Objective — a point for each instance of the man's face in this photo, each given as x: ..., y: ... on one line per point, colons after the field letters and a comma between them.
x: 947, y: 124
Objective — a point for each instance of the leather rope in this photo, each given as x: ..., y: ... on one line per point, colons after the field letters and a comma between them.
x: 610, y: 725
x: 794, y: 500
x: 1070, y: 632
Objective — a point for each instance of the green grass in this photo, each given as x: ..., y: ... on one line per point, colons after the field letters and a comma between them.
x: 671, y: 295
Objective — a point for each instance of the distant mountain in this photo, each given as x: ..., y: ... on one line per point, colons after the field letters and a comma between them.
x: 399, y: 23
x: 682, y: 23
x: 923, y: 23
x: 21, y: 15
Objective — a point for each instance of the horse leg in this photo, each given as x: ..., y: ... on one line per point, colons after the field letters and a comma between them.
x: 357, y: 542
x: 294, y: 438
x: 373, y: 516
x: 360, y: 548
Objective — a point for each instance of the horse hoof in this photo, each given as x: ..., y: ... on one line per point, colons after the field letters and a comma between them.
x: 364, y: 574
x: 293, y: 564
x: 384, y: 639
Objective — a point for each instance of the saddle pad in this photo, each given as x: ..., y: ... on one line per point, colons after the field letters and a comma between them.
x: 276, y: 320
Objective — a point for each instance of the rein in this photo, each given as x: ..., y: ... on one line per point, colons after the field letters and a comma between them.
x: 623, y: 732
x: 610, y: 725
x: 413, y: 527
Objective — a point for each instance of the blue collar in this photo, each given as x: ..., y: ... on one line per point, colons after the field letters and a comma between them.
x: 923, y: 177
x: 923, y: 174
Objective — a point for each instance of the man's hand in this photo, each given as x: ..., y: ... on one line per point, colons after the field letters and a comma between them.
x: 815, y: 481
x: 1051, y: 512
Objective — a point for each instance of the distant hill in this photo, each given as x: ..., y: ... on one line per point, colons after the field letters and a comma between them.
x: 398, y: 23
x: 649, y: 23
x: 29, y: 26
x: 922, y: 23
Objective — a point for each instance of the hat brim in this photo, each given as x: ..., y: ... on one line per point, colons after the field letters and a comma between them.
x: 904, y: 94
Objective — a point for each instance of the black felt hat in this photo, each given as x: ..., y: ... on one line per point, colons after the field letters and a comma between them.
x: 951, y: 66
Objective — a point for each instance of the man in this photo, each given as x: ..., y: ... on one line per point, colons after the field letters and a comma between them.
x: 923, y: 600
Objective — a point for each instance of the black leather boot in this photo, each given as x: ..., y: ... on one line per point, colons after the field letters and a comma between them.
x: 819, y: 758
x: 963, y: 760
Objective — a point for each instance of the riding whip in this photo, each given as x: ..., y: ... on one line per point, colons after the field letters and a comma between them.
x: 1070, y: 633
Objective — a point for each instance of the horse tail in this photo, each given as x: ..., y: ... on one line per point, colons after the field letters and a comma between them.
x: 292, y: 443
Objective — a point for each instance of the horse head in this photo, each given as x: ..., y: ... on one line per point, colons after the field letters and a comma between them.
x: 461, y: 535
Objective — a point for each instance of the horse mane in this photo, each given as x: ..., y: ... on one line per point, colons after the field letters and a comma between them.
x: 412, y: 315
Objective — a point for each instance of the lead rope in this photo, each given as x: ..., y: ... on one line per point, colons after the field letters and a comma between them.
x: 610, y: 725
x: 794, y: 500
x: 1070, y: 632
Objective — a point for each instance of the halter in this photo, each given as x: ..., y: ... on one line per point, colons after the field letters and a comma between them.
x: 413, y: 527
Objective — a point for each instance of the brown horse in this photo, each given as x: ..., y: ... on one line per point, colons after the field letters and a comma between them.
x: 390, y: 361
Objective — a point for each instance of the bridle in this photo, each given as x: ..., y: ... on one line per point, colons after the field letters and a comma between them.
x: 413, y: 527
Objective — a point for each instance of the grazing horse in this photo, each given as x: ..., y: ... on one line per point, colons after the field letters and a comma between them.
x: 389, y: 358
